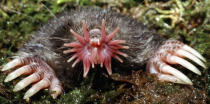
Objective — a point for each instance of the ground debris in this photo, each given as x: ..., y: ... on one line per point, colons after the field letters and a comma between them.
x: 146, y: 89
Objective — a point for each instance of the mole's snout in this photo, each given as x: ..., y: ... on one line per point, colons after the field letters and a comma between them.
x: 95, y: 37
x: 95, y: 48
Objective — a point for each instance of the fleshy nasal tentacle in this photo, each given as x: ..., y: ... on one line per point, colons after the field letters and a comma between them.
x: 75, y: 62
x: 96, y: 54
x: 118, y: 58
x: 111, y: 35
x: 86, y: 65
x: 112, y: 49
x: 85, y: 30
x: 70, y: 51
x: 79, y: 38
x: 122, y: 54
x: 74, y: 44
x: 103, y: 31
x: 117, y: 42
x: 122, y: 47
x: 79, y: 49
x: 72, y: 58
x: 107, y: 63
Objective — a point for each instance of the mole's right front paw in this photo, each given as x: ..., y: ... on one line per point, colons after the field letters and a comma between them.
x: 39, y: 73
x: 174, y: 52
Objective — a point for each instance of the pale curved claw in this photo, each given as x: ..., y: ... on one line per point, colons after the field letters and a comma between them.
x: 44, y: 83
x: 12, y: 64
x: 183, y: 53
x: 177, y: 60
x: 55, y: 88
x: 164, y: 70
x: 27, y: 81
x: 27, y: 69
x: 194, y: 52
x: 173, y: 52
x: 171, y: 78
x: 39, y: 73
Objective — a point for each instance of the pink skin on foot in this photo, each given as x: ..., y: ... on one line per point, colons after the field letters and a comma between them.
x: 40, y: 73
x: 95, y: 48
x: 173, y: 52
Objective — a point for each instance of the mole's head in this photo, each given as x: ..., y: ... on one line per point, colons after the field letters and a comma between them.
x: 95, y: 48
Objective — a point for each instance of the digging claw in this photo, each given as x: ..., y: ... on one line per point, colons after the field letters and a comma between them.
x: 11, y: 64
x: 44, y: 83
x: 173, y: 52
x: 39, y: 73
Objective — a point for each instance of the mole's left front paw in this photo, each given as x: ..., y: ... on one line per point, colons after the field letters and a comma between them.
x: 40, y: 74
x: 173, y: 52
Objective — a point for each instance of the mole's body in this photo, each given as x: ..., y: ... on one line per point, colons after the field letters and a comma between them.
x: 142, y: 41
x: 46, y: 52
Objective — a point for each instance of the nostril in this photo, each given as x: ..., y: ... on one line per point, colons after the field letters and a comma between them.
x: 95, y: 42
x: 95, y: 33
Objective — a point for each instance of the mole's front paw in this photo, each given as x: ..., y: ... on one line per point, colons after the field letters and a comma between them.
x: 40, y: 73
x: 173, y: 52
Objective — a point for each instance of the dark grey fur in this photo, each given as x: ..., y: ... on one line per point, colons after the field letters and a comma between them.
x: 47, y: 42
